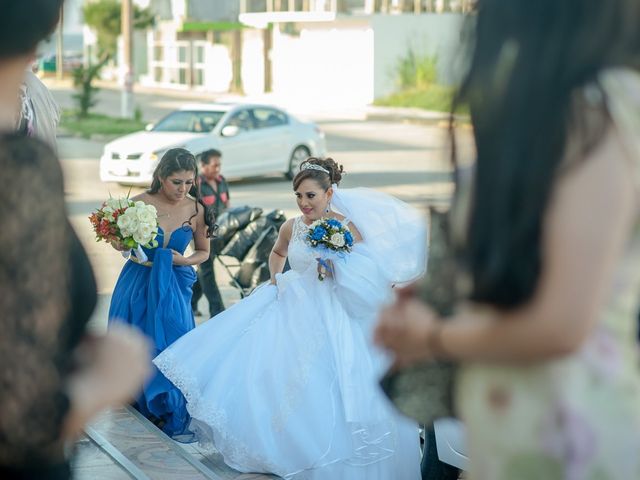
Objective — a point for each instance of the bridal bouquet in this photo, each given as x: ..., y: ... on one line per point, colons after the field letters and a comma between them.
x: 330, y: 236
x: 133, y: 224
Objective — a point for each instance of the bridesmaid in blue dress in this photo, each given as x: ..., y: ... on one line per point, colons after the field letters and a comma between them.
x: 155, y: 295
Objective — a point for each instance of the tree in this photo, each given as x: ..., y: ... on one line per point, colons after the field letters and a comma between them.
x: 104, y: 16
x: 83, y: 78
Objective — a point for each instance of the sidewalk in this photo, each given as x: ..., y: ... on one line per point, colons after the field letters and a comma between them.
x: 314, y: 108
x: 412, y: 115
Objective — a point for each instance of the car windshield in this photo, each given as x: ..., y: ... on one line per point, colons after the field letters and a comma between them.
x: 189, y: 121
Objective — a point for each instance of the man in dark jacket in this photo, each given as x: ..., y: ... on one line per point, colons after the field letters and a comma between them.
x: 214, y: 193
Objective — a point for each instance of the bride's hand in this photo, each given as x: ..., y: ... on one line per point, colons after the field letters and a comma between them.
x: 325, y: 268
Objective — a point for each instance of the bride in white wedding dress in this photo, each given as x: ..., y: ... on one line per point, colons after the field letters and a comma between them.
x: 285, y: 381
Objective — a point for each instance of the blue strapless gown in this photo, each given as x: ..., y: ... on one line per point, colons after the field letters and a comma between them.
x: 157, y: 300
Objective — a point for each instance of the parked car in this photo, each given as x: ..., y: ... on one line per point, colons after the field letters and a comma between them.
x: 70, y: 61
x: 255, y: 140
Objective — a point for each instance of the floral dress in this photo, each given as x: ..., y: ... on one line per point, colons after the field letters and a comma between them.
x: 578, y: 417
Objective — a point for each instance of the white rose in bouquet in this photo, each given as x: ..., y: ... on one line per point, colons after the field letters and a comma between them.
x: 147, y: 214
x: 144, y: 233
x: 117, y: 203
x: 127, y: 223
x: 108, y: 213
x: 132, y: 224
x: 337, y: 239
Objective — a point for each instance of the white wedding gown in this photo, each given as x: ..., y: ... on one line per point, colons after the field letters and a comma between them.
x: 285, y: 381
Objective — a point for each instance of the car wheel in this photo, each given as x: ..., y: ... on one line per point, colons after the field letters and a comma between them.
x: 432, y: 468
x: 299, y: 155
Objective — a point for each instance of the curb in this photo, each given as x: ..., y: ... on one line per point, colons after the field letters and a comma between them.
x: 414, y: 115
x: 96, y: 137
x: 369, y: 112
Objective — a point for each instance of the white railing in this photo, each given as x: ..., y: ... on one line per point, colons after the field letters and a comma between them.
x: 356, y: 6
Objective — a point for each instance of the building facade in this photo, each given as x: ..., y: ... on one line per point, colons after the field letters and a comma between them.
x: 342, y: 52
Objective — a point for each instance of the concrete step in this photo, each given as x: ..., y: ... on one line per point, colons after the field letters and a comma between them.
x: 122, y: 444
x: 136, y: 448
x: 215, y: 462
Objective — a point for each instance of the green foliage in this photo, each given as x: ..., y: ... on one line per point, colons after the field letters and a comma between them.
x: 417, y: 85
x: 94, y: 124
x: 415, y: 71
x: 83, y: 78
x: 137, y: 114
x: 104, y: 16
x: 434, y: 97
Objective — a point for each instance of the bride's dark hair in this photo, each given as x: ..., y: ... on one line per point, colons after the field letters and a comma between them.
x: 324, y: 180
x: 182, y: 160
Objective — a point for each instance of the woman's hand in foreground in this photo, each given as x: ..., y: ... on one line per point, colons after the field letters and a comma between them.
x: 410, y: 330
x: 111, y: 370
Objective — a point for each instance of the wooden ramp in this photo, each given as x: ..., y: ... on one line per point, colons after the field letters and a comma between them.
x: 122, y: 444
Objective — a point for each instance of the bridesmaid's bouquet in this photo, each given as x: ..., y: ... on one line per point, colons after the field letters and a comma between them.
x: 133, y: 224
x: 331, y: 237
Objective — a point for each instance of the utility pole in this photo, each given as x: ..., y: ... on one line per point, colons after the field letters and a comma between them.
x: 126, y: 104
x: 236, y: 60
x: 59, y: 46
x: 267, y: 42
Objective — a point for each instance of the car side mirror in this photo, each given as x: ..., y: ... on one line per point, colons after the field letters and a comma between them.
x: 149, y: 126
x: 230, y: 131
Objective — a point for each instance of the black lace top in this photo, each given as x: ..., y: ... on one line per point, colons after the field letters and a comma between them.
x: 47, y: 294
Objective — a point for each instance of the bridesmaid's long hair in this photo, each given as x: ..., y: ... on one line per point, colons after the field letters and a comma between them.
x: 182, y: 160
x: 528, y: 60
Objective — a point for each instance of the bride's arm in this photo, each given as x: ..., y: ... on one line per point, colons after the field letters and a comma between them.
x: 278, y: 255
x: 355, y: 233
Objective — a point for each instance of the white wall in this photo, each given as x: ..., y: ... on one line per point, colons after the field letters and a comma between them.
x: 252, y: 62
x: 325, y: 65
x: 345, y: 63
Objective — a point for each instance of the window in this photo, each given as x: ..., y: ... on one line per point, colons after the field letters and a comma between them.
x: 189, y: 121
x: 158, y: 53
x: 199, y: 54
x: 198, y: 77
x: 268, y: 117
x: 242, y: 120
x: 182, y: 54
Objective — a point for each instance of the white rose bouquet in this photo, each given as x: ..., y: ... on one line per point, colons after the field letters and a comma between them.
x: 132, y: 224
x: 331, y: 237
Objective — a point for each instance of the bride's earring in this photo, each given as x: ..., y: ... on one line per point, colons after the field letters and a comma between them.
x: 328, y: 209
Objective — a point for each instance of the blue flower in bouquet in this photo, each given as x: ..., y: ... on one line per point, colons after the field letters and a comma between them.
x: 318, y: 233
x: 332, y: 239
x: 348, y: 238
x: 329, y: 234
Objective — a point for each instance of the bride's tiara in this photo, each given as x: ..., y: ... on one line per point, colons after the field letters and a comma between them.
x: 313, y: 166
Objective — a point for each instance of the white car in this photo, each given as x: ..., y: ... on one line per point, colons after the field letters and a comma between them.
x: 254, y: 140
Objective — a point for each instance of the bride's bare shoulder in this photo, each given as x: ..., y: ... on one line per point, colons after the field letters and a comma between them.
x: 287, y: 227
